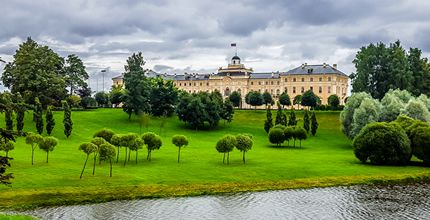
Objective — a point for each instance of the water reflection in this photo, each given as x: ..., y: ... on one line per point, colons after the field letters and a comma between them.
x: 355, y: 202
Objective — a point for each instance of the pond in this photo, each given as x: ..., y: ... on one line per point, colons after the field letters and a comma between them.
x: 410, y: 201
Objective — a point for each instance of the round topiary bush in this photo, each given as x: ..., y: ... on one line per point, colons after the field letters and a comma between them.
x: 276, y: 136
x: 420, y: 143
x: 382, y: 143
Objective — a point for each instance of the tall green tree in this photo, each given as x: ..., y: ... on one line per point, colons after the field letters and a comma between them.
x: 116, y: 95
x: 67, y: 120
x: 164, y: 97
x: 420, y: 68
x: 35, y: 71
x: 225, y: 145
x: 75, y: 74
x: 297, y: 100
x: 50, y: 121
x: 243, y: 144
x: 255, y: 98
x: 306, y: 122
x: 102, y: 99
x: 227, y: 111
x: 20, y: 108
x: 8, y: 115
x: 279, y: 115
x: 137, y: 86
x: 284, y: 99
x: 5, y: 177
x: 48, y: 144
x: 292, y: 121
x: 34, y: 140
x: 268, y: 124
x: 309, y: 99
x: 107, y: 152
x: 6, y: 147
x: 333, y: 101
x: 314, y: 124
x: 267, y: 98
x: 38, y: 116
x: 235, y: 98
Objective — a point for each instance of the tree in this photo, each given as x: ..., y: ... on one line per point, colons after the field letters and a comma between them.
x: 227, y: 111
x: 36, y: 71
x: 288, y: 134
x: 136, y: 145
x: 391, y: 108
x: 88, y: 101
x: 314, y: 124
x: 5, y: 178
x: 420, y: 69
x: 179, y: 141
x: 116, y: 95
x: 255, y: 99
x: 74, y: 101
x: 235, y: 98
x: 309, y: 99
x: 97, y: 141
x: 38, y: 116
x: 164, y: 97
x: 417, y: 110
x: 105, y: 133
x: 144, y: 119
x: 380, y: 68
x: 243, y: 144
x: 83, y: 92
x: 268, y: 124
x: 284, y: 99
x: 34, y: 140
x: 279, y: 115
x: 382, y: 143
x: 292, y: 121
x: 50, y: 121
x: 75, y: 73
x: 333, y: 101
x: 87, y: 148
x: 267, y: 98
x: 116, y: 140
x: 9, y: 117
x: 347, y: 114
x: 306, y: 122
x: 67, y: 120
x: 276, y: 136
x: 137, y: 86
x: 300, y: 134
x: 225, y: 145
x: 20, y: 108
x: 297, y: 100
x: 368, y: 111
x: 48, y: 144
x: 6, y: 147
x: 128, y: 141
x: 107, y: 152
x: 152, y: 142
x: 102, y: 99
x: 420, y: 143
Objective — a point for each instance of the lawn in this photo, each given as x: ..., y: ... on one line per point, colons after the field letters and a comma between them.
x: 324, y: 160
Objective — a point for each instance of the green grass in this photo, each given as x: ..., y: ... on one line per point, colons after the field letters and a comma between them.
x: 15, y: 217
x: 324, y: 160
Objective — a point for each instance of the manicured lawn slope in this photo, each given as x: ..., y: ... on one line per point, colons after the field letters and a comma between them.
x: 324, y: 160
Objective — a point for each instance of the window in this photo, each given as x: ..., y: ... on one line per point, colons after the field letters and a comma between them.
x: 303, y: 89
x: 294, y: 89
x: 286, y: 89
x: 207, y: 84
x: 180, y: 84
x: 310, y: 70
x: 259, y: 83
x: 271, y: 83
x: 294, y: 79
x: 277, y: 82
x: 201, y: 84
x: 329, y: 89
x: 303, y: 79
x: 194, y: 84
x: 312, y: 88
x: 267, y: 83
x: 259, y: 90
x: 329, y: 79
x: 286, y: 80
x: 312, y: 79
x: 320, y: 90
x: 277, y: 92
x: 271, y: 91
x: 252, y: 83
x: 320, y: 79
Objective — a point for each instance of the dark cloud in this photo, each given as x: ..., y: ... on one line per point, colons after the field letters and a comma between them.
x: 195, y: 35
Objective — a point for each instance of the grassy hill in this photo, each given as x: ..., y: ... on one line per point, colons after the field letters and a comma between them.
x: 324, y: 160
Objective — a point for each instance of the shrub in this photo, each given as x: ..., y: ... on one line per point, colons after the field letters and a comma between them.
x: 420, y: 143
x: 243, y: 144
x: 226, y: 145
x: 276, y: 136
x: 368, y: 111
x: 346, y: 116
x: 333, y: 101
x: 382, y: 143
x: 300, y: 134
x: 179, y: 141
x: 417, y: 110
x: 288, y: 134
x: 105, y: 133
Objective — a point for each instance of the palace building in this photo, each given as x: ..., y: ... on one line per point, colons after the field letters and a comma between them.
x: 323, y: 79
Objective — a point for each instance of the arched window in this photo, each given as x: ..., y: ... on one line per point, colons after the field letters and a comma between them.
x: 227, y: 92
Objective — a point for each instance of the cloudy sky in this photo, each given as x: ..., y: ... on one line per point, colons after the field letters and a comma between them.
x: 195, y: 36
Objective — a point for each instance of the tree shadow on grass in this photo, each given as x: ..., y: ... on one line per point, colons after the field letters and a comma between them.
x: 287, y: 147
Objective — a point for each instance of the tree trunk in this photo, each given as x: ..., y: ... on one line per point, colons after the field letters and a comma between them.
x: 243, y: 157
x: 294, y: 144
x: 136, y: 156
x: 85, y: 164
x: 117, y: 155
x: 94, y: 164
x: 110, y: 160
x: 47, y: 153
x: 32, y: 155
x: 7, y: 153
x: 129, y: 153
x: 300, y: 143
x: 223, y: 159
x: 228, y: 158
x: 125, y: 159
x: 147, y: 156
x: 179, y: 153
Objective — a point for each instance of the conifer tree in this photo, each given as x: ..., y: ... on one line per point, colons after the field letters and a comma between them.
x: 50, y: 121
x: 9, y: 117
x: 38, y: 116
x: 292, y: 121
x: 314, y: 124
x: 20, y: 109
x: 67, y: 121
x: 279, y: 115
x: 306, y: 121
x: 268, y: 124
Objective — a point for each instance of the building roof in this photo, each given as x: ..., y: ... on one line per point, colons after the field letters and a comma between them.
x: 314, y: 69
x: 264, y: 75
x: 235, y: 57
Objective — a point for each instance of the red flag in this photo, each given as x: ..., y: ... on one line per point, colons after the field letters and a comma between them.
x: 233, y: 44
